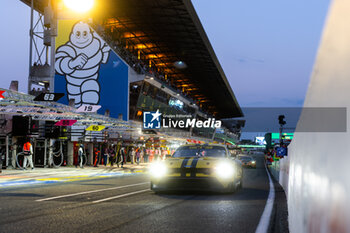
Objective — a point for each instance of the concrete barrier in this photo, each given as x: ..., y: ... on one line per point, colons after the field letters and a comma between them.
x: 319, y: 173
x: 275, y: 169
x: 284, y: 173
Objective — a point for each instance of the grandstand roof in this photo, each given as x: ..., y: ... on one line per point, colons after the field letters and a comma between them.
x: 167, y: 31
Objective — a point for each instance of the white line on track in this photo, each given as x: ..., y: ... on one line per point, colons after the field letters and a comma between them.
x: 265, y: 217
x: 93, y: 191
x: 120, y: 196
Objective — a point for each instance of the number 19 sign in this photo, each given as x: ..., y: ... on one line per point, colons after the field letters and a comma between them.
x: 88, y: 108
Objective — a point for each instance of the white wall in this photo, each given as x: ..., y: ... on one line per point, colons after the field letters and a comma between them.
x: 284, y: 173
x: 319, y: 172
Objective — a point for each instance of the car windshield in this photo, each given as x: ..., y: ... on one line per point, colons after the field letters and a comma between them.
x: 200, y: 151
x: 246, y: 159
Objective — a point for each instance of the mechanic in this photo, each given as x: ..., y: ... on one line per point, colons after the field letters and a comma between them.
x: 97, y: 156
x: 28, y: 154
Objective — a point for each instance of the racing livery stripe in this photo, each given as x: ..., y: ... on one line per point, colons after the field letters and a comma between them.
x: 184, y: 163
x: 193, y: 167
x: 188, y: 167
x: 189, y: 163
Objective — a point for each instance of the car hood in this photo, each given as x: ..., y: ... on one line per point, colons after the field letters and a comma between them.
x: 194, y: 162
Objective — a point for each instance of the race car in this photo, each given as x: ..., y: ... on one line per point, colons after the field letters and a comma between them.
x: 197, y: 167
x: 247, y: 161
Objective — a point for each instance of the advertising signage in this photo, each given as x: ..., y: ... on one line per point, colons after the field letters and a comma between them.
x: 287, y: 136
x: 88, y: 71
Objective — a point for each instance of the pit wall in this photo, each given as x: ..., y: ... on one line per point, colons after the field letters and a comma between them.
x: 318, y: 184
x: 283, y: 178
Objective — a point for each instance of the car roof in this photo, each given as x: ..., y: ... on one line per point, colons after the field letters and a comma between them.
x: 218, y: 145
x: 245, y: 156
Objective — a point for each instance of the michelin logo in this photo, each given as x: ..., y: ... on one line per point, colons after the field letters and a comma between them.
x: 79, y: 60
x: 151, y: 120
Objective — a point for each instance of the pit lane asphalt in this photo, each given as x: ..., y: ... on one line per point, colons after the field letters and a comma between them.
x: 141, y: 212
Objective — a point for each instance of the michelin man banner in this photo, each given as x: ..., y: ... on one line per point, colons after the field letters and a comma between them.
x: 88, y: 71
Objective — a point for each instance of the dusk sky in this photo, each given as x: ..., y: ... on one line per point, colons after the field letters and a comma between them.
x: 266, y: 48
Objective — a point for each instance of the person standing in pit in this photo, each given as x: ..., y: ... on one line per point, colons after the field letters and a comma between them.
x: 142, y: 154
x: 80, y: 155
x: 121, y: 156
x: 28, y: 154
x: 111, y: 155
x: 105, y: 155
x: 146, y: 155
x: 2, y: 153
x: 97, y: 157
x: 156, y: 154
x: 133, y: 154
x: 138, y: 155
x: 118, y: 156
x: 164, y: 153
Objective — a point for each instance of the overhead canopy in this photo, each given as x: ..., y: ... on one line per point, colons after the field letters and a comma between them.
x: 233, y: 125
x: 162, y: 32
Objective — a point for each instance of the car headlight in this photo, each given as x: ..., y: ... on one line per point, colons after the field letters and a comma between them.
x: 158, y: 169
x: 253, y: 162
x: 224, y: 170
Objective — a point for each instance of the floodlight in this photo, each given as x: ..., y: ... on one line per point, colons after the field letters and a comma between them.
x: 80, y: 6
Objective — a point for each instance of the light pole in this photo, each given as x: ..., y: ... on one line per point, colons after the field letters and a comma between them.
x: 44, y: 29
x: 282, y: 122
